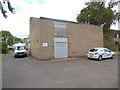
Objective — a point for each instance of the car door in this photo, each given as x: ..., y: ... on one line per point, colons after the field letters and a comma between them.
x: 107, y: 53
x: 110, y: 53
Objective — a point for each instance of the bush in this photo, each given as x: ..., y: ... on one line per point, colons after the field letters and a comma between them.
x: 4, y: 47
x: 110, y: 45
x: 108, y: 36
x: 117, y: 42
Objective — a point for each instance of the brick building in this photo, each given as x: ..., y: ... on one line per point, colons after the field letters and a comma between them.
x: 53, y: 38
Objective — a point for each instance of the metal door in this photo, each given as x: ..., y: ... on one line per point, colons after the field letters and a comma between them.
x: 61, y: 48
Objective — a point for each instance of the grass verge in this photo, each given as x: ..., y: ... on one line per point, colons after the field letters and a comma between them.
x: 117, y: 53
x: 2, y: 55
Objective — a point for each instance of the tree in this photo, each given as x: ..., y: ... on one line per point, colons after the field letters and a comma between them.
x: 9, y: 7
x: 4, y: 47
x: 7, y: 37
x: 18, y: 39
x: 113, y: 4
x: 96, y: 13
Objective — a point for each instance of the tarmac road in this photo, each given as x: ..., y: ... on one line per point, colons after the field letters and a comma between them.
x: 81, y: 73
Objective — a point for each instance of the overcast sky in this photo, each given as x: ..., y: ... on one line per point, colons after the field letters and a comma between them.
x: 18, y: 24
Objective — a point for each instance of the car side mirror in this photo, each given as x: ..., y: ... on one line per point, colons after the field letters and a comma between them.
x: 27, y: 49
x: 109, y: 51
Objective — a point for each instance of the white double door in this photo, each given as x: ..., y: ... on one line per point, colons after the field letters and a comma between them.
x: 60, y: 48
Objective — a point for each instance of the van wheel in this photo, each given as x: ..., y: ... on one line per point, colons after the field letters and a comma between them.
x: 100, y: 58
x: 25, y: 55
x: 113, y: 56
x: 15, y: 56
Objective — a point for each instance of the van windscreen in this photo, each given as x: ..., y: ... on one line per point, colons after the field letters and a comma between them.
x: 20, y: 48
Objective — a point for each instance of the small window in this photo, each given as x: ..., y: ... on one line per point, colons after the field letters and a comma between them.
x: 101, y: 50
x: 107, y: 50
x: 60, y: 29
x: 117, y: 36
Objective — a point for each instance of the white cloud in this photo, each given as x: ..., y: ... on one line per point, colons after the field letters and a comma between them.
x: 18, y: 24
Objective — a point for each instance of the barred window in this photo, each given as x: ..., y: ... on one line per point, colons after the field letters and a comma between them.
x: 60, y: 29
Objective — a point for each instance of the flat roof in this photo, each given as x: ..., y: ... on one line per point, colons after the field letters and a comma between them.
x: 67, y: 21
x: 64, y: 21
x: 59, y: 20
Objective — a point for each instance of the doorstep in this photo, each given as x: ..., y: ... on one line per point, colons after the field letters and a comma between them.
x: 32, y: 60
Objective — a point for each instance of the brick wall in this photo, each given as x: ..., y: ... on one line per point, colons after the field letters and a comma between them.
x: 81, y: 37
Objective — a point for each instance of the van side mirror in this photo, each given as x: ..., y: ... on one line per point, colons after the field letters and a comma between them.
x: 27, y: 49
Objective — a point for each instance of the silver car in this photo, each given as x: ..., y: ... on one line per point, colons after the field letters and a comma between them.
x: 100, y: 53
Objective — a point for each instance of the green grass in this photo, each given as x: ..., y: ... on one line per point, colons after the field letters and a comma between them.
x: 117, y: 53
x: 2, y: 55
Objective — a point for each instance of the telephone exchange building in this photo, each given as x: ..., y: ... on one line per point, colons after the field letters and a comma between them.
x: 53, y: 38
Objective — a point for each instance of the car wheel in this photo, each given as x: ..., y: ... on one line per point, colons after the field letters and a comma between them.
x: 113, y: 56
x: 100, y: 58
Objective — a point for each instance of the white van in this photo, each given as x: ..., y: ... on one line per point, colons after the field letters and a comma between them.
x: 20, y: 50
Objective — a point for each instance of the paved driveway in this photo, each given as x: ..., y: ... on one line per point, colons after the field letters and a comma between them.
x: 81, y: 73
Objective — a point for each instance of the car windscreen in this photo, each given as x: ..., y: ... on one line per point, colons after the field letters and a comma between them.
x: 20, y: 48
x: 93, y: 50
